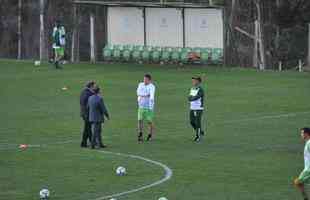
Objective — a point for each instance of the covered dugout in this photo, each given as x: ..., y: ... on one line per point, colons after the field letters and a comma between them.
x: 153, y: 32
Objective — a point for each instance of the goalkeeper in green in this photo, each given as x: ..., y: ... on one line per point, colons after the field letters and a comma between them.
x: 196, y: 99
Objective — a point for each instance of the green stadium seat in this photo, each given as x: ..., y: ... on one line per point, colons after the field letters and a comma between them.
x: 146, y: 56
x: 107, y: 54
x: 136, y: 55
x: 126, y: 55
x: 197, y: 50
x: 165, y: 56
x: 204, y: 57
x: 116, y: 54
x: 217, y: 55
x: 186, y: 49
x: 175, y: 56
x: 155, y: 56
x: 184, y: 57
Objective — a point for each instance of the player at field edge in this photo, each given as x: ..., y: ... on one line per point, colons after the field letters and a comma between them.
x: 196, y: 99
x: 304, y: 176
x: 59, y: 42
x: 146, y: 101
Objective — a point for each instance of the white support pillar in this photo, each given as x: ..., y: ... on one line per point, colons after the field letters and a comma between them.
x: 92, y: 38
x: 280, y: 66
x: 41, y: 30
x: 300, y: 65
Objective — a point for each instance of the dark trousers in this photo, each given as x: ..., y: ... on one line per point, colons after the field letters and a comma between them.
x: 96, y: 134
x: 87, y: 133
x: 195, y: 120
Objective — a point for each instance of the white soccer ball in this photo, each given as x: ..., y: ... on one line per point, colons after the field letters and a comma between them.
x: 44, y: 194
x: 37, y: 63
x: 121, y: 171
x: 162, y: 198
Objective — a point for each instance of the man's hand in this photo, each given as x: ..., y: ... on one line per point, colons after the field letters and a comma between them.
x: 297, y: 182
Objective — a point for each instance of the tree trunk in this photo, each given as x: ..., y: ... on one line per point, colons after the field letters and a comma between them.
x: 19, y: 31
x: 256, y: 42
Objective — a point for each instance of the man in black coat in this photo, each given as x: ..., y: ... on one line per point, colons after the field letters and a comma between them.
x: 97, y: 113
x: 85, y: 94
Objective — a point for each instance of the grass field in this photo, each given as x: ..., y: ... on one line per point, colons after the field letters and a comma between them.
x: 252, y: 150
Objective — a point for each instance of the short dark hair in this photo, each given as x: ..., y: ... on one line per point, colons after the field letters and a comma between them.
x: 306, y: 130
x: 148, y: 76
x: 90, y: 84
x: 96, y: 90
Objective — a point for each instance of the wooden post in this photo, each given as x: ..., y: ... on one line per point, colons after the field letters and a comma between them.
x: 255, y: 54
x: 92, y: 38
x: 280, y: 66
x: 19, y: 31
x: 41, y: 30
x: 211, y: 2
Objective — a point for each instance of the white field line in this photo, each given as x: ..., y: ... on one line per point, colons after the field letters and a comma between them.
x: 167, y: 176
x: 264, y: 117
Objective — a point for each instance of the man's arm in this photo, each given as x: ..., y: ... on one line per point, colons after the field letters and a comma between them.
x: 103, y: 109
x: 199, y: 95
x: 152, y: 97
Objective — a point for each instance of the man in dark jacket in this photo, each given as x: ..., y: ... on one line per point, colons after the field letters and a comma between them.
x: 97, y: 112
x: 85, y: 94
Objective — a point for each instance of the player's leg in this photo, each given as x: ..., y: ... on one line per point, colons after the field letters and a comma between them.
x: 192, y: 119
x: 299, y: 182
x: 101, y: 145
x: 93, y: 137
x: 140, y: 124
x: 88, y: 131
x: 85, y: 134
x: 56, y: 61
x: 149, y: 118
x: 198, y: 122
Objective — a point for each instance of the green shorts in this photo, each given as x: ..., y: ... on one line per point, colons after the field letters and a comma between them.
x: 60, y: 51
x: 145, y: 114
x: 304, y: 176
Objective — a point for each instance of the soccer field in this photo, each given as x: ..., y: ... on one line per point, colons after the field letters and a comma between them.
x: 252, y: 150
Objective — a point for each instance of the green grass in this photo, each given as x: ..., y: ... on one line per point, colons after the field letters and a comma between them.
x: 244, y: 156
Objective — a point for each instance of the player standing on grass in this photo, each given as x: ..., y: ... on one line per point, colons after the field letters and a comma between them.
x: 304, y: 176
x: 146, y: 100
x: 59, y: 42
x: 196, y: 99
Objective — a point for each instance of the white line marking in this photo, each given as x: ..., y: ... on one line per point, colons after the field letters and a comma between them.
x: 264, y: 117
x: 167, y: 176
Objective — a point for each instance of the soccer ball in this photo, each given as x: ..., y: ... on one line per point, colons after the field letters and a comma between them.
x: 121, y: 171
x: 37, y: 63
x: 44, y: 194
x: 162, y: 198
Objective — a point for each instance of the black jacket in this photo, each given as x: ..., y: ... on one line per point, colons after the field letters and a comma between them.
x: 85, y: 94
